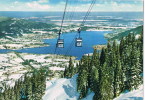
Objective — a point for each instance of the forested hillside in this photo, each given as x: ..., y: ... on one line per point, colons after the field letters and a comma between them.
x: 14, y: 26
x: 117, y: 68
x: 118, y: 36
x: 30, y: 87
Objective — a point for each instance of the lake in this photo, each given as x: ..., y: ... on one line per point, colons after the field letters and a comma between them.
x: 90, y: 38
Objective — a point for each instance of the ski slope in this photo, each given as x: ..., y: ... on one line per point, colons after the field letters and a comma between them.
x: 61, y: 89
x: 133, y: 95
x: 66, y: 89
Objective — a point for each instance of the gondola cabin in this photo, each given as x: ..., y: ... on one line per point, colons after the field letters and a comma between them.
x: 60, y: 43
x: 78, y: 42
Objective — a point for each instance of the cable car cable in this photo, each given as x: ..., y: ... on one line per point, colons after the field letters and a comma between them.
x: 71, y: 17
x: 70, y: 46
x: 86, y: 16
x: 63, y: 15
x: 59, y: 40
x: 88, y: 12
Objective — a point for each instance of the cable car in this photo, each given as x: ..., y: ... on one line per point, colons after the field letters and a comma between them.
x: 78, y: 42
x: 60, y: 43
x: 79, y: 39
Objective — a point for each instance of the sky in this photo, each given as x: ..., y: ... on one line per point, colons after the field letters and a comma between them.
x: 73, y: 5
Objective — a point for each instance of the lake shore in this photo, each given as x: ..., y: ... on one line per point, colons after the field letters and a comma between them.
x: 25, y: 41
x: 33, y: 44
x: 29, y: 40
x: 99, y: 47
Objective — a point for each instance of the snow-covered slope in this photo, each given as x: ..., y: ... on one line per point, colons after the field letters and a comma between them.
x: 61, y: 89
x: 133, y: 95
x: 89, y: 96
x: 66, y: 89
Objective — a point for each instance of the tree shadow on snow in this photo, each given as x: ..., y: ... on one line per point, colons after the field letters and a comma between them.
x: 70, y: 91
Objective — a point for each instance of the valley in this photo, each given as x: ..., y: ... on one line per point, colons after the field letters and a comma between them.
x: 29, y: 32
x: 31, y: 64
x: 14, y: 66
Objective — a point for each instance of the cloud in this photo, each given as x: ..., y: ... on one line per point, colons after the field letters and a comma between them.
x: 25, y: 6
x: 36, y: 5
x: 43, y: 1
x: 46, y: 5
x: 16, y: 2
x: 114, y: 6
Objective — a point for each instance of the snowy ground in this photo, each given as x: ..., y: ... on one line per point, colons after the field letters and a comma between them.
x: 12, y: 66
x: 63, y: 89
x: 133, y: 95
x: 11, y: 69
x: 66, y: 89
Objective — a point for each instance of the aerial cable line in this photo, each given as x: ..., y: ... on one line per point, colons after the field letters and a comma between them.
x: 71, y: 16
x: 63, y: 16
x: 85, y: 18
x: 60, y: 41
x: 70, y: 46
x: 68, y: 12
x: 83, y: 22
x: 90, y: 8
x: 60, y: 29
x: 88, y: 12
x: 74, y: 9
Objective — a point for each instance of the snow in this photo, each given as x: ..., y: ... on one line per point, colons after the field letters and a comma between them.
x: 133, y: 95
x: 81, y: 20
x: 66, y: 89
x: 97, y: 30
x: 40, y: 31
x: 18, y: 60
x: 3, y: 58
x: 88, y: 54
x: 89, y: 97
x: 137, y: 36
x: 12, y: 79
x: 10, y: 37
x: 61, y: 89
x: 16, y: 76
x: 56, y: 68
x: 14, y: 45
x: 61, y: 60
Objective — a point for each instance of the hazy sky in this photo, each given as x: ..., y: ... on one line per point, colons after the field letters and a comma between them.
x: 78, y: 5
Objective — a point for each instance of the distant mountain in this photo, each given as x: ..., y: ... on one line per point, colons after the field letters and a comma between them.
x: 118, y: 36
x: 4, y: 19
x: 16, y: 27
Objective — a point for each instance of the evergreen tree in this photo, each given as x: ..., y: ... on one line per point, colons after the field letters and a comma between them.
x: 71, y: 67
x: 82, y: 80
x: 140, y: 46
x: 29, y: 90
x: 95, y: 83
x: 102, y: 57
x: 106, y: 90
x: 121, y: 46
x: 118, y: 77
x: 82, y: 83
x: 135, y: 69
x: 69, y: 72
